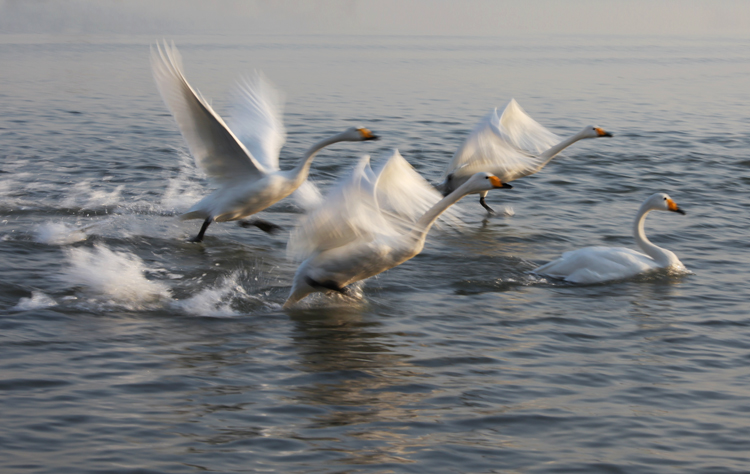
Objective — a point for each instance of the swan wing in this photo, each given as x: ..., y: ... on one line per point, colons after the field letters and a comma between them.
x: 348, y: 213
x: 403, y: 195
x: 213, y: 145
x: 597, y: 264
x: 524, y: 132
x: 307, y: 196
x: 257, y: 119
x: 508, y: 146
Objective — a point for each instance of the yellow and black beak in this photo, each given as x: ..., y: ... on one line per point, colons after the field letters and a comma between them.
x: 674, y: 207
x: 602, y: 133
x: 499, y: 184
x: 367, y: 135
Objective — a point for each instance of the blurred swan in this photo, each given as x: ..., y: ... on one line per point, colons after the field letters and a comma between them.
x: 369, y: 223
x: 243, y: 161
x: 510, y: 147
x: 597, y: 264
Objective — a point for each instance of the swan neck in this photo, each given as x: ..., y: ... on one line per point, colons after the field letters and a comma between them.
x: 556, y: 149
x: 424, y: 224
x: 660, y: 256
x: 302, y: 169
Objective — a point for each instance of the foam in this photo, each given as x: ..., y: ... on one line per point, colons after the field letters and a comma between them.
x: 118, y: 276
x: 85, y: 195
x: 38, y: 300
x: 58, y: 233
x: 216, y: 301
x: 184, y: 189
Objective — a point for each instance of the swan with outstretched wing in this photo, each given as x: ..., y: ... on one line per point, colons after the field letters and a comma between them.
x: 372, y: 221
x: 510, y: 146
x: 242, y: 160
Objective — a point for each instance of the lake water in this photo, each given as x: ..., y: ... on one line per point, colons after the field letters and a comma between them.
x: 125, y: 349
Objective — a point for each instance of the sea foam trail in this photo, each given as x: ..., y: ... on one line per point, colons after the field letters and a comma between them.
x: 38, y: 300
x: 119, y: 279
x: 117, y: 275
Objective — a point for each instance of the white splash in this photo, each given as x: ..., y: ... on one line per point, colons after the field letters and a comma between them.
x: 508, y: 211
x: 119, y: 276
x: 87, y: 194
x: 186, y: 188
x: 216, y: 301
x: 58, y: 233
x: 38, y: 300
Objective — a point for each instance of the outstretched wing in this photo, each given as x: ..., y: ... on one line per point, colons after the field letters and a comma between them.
x: 402, y: 194
x: 213, y: 145
x: 509, y: 146
x: 365, y: 206
x: 257, y: 119
x: 348, y: 213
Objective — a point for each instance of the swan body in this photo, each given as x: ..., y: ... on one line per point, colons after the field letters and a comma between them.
x: 510, y: 146
x: 598, y: 264
x: 370, y: 223
x: 242, y: 160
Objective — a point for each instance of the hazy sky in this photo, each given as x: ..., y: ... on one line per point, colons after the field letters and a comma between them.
x: 421, y: 17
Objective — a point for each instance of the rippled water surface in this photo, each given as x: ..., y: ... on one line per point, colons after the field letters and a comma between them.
x: 126, y: 349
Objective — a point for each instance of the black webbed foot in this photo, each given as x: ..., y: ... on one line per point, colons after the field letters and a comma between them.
x: 265, y: 226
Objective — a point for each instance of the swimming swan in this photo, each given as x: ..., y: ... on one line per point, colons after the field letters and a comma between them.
x: 371, y: 222
x: 243, y: 161
x: 597, y: 264
x: 510, y: 147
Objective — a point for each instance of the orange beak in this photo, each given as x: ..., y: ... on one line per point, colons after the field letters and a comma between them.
x: 366, y: 134
x: 499, y: 184
x: 602, y: 133
x: 673, y: 207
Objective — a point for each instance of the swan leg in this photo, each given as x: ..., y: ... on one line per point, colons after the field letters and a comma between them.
x: 265, y: 226
x: 484, y: 204
x: 206, y: 223
x: 328, y: 284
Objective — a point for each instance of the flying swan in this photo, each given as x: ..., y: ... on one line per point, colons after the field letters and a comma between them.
x: 597, y: 264
x: 510, y: 147
x: 242, y: 161
x: 369, y: 223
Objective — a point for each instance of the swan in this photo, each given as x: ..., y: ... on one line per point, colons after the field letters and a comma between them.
x: 243, y: 161
x: 597, y: 264
x: 510, y: 146
x: 370, y: 223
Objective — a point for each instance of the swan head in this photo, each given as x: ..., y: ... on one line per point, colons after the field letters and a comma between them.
x: 357, y: 134
x: 482, y: 182
x: 662, y: 202
x: 591, y: 131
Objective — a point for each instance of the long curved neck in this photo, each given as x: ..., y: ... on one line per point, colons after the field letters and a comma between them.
x: 556, y: 149
x: 424, y: 224
x: 299, y: 173
x: 661, y: 256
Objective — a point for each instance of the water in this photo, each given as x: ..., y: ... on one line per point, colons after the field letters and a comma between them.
x: 126, y: 349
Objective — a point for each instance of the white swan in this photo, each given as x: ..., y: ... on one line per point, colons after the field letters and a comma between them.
x: 597, y: 264
x: 371, y: 222
x: 510, y: 147
x: 244, y: 160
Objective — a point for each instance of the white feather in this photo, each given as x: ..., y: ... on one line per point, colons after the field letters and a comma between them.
x: 256, y: 118
x: 215, y: 148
